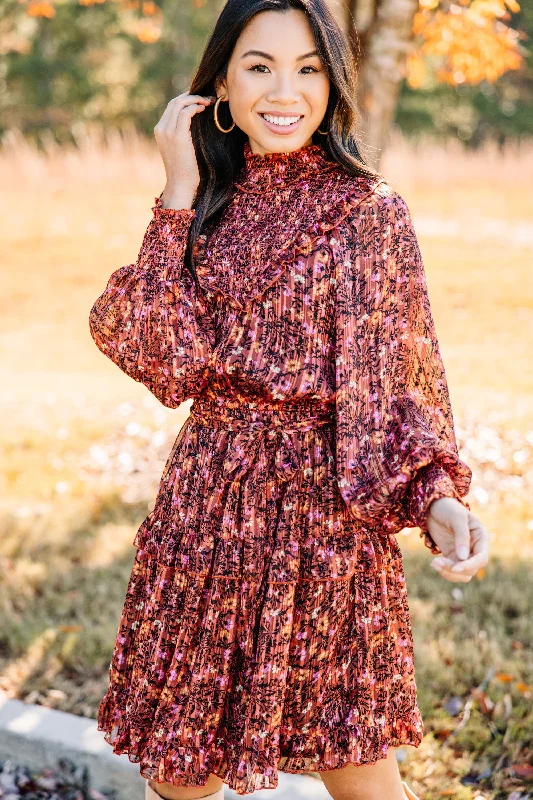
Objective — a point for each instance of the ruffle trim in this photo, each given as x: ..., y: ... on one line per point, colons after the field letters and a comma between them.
x: 425, y: 534
x: 431, y: 483
x: 204, y: 558
x: 248, y: 769
x: 262, y: 173
x: 177, y: 215
x: 177, y: 717
x: 331, y: 203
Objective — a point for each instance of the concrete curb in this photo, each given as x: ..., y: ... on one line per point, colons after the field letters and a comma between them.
x: 37, y: 737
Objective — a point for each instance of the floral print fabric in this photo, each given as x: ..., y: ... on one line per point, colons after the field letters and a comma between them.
x: 266, y: 623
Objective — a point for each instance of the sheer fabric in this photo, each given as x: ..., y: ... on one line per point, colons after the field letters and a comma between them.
x: 266, y: 624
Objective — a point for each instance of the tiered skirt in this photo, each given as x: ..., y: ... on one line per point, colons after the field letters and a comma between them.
x: 263, y: 627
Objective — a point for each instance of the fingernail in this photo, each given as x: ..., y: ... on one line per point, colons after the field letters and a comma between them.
x: 463, y: 552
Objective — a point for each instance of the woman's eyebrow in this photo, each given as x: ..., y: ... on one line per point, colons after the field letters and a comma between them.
x: 271, y: 58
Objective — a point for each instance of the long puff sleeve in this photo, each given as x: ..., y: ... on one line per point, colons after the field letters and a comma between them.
x: 395, y: 441
x: 150, y: 320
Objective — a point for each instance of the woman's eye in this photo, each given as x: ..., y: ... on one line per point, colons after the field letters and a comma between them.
x: 255, y: 66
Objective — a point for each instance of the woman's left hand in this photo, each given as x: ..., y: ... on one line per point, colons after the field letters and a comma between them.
x: 460, y: 536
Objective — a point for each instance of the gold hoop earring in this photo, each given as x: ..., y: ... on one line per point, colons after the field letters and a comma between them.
x: 324, y: 133
x: 217, y: 123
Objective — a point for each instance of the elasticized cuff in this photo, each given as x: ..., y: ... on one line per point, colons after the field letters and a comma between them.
x: 178, y: 220
x: 165, y: 241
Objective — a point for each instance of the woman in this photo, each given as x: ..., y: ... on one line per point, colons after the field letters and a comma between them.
x: 280, y: 286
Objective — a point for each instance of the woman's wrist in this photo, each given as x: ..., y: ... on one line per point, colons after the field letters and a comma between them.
x: 431, y: 482
x: 178, y: 198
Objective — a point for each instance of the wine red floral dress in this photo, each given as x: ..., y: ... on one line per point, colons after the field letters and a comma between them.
x: 266, y: 624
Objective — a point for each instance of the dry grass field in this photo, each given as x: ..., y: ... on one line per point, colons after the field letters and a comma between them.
x: 84, y: 446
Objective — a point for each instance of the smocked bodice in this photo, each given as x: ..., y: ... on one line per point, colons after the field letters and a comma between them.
x: 281, y: 204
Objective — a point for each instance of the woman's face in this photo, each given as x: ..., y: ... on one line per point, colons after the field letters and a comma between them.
x: 275, y: 71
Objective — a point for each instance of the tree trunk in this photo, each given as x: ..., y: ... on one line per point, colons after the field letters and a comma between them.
x: 384, y: 28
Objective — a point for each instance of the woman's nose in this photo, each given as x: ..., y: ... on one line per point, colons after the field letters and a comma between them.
x: 284, y: 91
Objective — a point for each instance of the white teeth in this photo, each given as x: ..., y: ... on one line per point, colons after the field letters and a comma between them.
x: 280, y: 120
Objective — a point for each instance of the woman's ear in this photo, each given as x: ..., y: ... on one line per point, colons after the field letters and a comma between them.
x: 221, y: 89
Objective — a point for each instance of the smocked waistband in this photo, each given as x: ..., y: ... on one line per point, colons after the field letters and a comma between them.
x: 224, y: 413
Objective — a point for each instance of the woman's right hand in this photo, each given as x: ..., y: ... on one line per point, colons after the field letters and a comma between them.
x: 173, y: 137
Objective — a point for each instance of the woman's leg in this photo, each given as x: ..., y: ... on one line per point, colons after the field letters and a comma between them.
x: 367, y: 781
x: 171, y: 792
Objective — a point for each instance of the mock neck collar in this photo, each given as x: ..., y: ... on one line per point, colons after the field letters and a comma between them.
x: 279, y: 169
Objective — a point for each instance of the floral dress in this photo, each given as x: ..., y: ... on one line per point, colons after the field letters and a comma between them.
x: 266, y: 624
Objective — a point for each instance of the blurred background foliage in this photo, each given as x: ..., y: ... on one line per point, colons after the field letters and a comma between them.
x: 475, y: 112
x: 65, y: 63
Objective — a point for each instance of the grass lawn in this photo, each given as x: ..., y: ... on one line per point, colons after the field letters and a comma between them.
x: 84, y: 446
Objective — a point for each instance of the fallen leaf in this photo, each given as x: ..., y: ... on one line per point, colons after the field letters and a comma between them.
x: 524, y: 770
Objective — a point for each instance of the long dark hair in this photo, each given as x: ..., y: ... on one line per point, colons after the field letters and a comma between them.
x: 220, y: 155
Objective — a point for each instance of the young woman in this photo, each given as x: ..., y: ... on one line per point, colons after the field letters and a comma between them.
x: 280, y: 286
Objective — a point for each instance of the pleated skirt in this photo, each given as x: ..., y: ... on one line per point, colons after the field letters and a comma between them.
x: 263, y: 629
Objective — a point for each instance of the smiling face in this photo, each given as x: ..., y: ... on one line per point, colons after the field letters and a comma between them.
x: 274, y: 76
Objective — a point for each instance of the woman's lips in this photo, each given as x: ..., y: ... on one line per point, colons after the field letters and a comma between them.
x: 283, y: 129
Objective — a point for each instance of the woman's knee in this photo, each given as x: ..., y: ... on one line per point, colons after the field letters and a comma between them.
x: 171, y: 792
x: 366, y: 781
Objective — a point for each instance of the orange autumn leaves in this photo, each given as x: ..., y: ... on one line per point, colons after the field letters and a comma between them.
x: 468, y: 41
x: 461, y: 42
x: 146, y: 21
